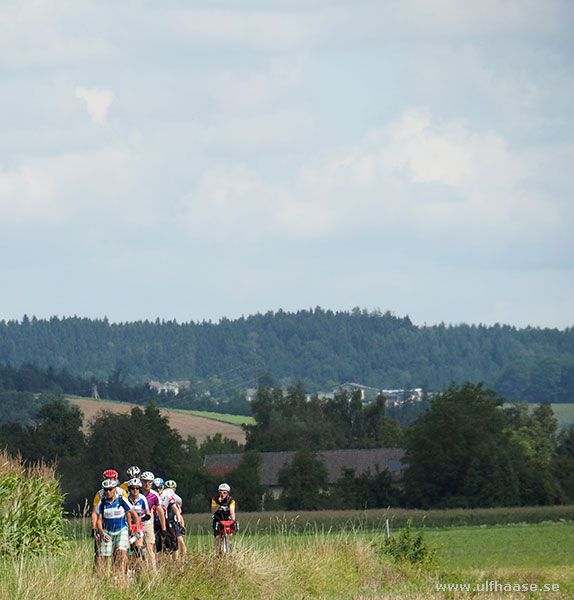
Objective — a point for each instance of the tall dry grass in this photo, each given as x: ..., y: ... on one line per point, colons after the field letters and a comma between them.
x: 335, y: 568
x: 325, y: 566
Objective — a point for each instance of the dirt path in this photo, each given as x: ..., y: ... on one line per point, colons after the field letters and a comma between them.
x: 198, y: 427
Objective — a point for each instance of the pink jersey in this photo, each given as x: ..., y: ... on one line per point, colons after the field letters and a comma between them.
x: 153, y: 500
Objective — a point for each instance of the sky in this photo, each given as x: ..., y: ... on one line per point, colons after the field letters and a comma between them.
x: 199, y: 160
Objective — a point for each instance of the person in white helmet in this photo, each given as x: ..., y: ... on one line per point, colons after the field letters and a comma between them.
x: 142, y: 508
x: 132, y: 472
x: 170, y: 490
x: 168, y: 544
x: 222, y: 509
x: 152, y: 528
x: 113, y: 526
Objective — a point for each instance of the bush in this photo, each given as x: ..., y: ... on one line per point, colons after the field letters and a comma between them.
x: 408, y: 547
x: 31, y: 515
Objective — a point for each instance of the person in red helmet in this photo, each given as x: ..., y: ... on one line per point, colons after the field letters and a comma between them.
x: 107, y: 474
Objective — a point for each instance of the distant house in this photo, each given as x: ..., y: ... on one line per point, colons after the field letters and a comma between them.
x: 172, y: 387
x: 398, y: 397
x: 362, y: 461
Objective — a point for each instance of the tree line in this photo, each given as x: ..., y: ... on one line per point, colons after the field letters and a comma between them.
x: 318, y: 347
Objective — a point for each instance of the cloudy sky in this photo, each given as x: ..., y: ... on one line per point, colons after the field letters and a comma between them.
x: 199, y: 160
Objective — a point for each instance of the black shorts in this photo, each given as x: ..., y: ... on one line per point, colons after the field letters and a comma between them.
x: 167, y: 543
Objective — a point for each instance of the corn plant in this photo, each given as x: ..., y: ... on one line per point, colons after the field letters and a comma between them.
x: 31, y: 515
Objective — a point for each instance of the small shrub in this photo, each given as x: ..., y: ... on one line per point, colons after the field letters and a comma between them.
x: 31, y: 515
x: 409, y: 547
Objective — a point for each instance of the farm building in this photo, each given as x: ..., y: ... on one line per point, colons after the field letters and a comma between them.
x: 361, y: 461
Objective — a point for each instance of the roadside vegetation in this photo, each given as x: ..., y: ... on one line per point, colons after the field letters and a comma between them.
x: 339, y: 564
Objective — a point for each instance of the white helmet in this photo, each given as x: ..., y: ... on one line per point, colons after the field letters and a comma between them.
x: 135, y: 482
x: 223, y: 487
x: 109, y: 484
x: 170, y: 483
x: 147, y: 476
x: 133, y: 471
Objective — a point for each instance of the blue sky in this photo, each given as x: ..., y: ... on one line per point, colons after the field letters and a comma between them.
x: 199, y: 160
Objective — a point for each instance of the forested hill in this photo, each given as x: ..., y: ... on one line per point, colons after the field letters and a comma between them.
x: 319, y: 347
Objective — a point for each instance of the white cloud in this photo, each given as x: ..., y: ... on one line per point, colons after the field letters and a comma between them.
x: 225, y: 200
x: 430, y: 174
x: 465, y: 18
x: 49, y: 34
x: 82, y: 189
x: 267, y: 29
x: 416, y: 173
x: 98, y: 103
x: 239, y: 91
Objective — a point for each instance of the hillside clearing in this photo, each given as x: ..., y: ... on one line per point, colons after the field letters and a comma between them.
x: 186, y: 424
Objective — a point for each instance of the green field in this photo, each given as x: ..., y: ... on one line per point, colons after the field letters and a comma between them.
x: 508, y: 546
x: 225, y: 418
x: 215, y: 416
x: 564, y: 413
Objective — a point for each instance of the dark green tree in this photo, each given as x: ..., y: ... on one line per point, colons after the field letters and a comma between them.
x: 218, y: 444
x: 461, y: 452
x: 367, y: 490
x: 535, y: 434
x: 381, y: 431
x: 565, y: 442
x: 245, y: 482
x: 304, y: 482
x: 59, y: 433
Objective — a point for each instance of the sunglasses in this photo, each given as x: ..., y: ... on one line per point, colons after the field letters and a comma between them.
x: 133, y: 488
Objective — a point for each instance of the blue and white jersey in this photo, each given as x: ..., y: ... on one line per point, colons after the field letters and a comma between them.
x: 140, y: 505
x: 114, y: 513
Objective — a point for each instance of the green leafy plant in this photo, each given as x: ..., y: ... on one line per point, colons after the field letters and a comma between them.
x: 31, y: 515
x: 410, y: 547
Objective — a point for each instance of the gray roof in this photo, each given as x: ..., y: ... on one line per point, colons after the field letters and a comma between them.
x: 361, y: 461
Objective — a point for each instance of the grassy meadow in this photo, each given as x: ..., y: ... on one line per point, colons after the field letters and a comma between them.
x: 564, y: 413
x: 336, y: 555
x: 223, y: 417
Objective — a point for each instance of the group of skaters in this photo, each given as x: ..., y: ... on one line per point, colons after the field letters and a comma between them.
x: 142, y: 518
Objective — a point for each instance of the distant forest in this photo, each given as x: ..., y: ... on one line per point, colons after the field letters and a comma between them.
x: 319, y: 348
